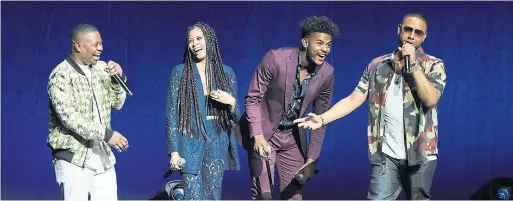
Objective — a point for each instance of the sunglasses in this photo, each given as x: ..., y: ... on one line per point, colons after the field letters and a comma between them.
x: 419, y: 33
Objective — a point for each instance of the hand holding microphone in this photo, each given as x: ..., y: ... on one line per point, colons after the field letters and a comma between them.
x: 175, y: 163
x: 116, y: 72
x: 408, y: 52
x: 300, y: 177
x: 177, y: 167
x: 307, y: 172
x: 114, y: 68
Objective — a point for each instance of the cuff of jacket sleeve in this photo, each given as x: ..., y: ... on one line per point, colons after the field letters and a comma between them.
x: 108, y: 134
x: 256, y: 129
x: 172, y: 147
x: 314, y: 152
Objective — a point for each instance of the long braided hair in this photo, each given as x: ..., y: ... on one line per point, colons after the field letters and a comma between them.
x: 188, y: 92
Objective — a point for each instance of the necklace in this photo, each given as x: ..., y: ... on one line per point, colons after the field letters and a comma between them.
x: 397, y: 78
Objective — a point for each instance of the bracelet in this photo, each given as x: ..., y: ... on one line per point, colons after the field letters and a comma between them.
x: 322, y: 120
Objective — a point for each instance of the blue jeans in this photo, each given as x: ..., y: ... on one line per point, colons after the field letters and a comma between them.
x: 387, y: 180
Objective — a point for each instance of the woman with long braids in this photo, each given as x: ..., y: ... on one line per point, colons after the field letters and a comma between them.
x: 200, y: 116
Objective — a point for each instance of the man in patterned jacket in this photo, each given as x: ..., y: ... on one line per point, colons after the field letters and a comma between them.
x: 403, y: 122
x: 82, y: 94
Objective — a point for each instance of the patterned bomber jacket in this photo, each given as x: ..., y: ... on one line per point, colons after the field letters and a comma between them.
x: 73, y: 123
x: 420, y: 122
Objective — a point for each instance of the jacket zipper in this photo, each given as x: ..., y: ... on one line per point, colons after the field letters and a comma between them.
x: 99, y: 114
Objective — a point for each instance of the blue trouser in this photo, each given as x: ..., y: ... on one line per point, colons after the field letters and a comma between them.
x: 207, y: 185
x: 387, y: 180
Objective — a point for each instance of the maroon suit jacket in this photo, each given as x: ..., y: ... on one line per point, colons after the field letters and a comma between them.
x: 269, y: 94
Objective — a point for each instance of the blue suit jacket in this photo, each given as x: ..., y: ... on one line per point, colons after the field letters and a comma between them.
x: 193, y: 149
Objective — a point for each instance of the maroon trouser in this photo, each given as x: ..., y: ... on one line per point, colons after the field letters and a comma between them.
x: 286, y: 155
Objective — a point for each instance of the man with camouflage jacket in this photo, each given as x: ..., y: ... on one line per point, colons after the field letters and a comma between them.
x: 403, y: 122
x: 81, y: 96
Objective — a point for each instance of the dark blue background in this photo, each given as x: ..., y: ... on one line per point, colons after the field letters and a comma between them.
x: 147, y: 39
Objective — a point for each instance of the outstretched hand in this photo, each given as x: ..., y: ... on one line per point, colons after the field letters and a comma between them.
x: 312, y: 121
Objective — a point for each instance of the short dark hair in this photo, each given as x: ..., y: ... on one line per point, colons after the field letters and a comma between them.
x: 318, y: 24
x: 417, y: 15
x: 81, y: 29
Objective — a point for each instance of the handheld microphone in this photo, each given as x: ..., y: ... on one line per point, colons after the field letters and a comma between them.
x: 181, y: 162
x: 406, y: 68
x: 300, y: 177
x: 123, y: 84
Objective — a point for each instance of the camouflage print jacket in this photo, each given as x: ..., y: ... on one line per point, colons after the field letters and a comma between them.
x: 73, y: 125
x: 420, y: 122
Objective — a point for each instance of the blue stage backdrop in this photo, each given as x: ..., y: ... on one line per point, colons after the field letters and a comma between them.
x: 148, y: 39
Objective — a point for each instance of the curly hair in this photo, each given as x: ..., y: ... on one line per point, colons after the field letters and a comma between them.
x: 188, y: 92
x: 318, y: 24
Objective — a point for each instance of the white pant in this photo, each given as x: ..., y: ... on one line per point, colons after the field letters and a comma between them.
x: 77, y: 183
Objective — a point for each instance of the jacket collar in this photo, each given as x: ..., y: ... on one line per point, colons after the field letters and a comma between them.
x: 74, y: 64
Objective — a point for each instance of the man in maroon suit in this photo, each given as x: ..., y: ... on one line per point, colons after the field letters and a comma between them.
x: 286, y: 82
